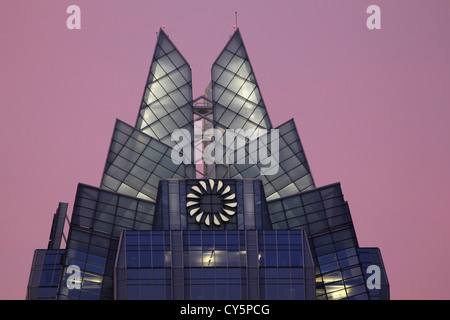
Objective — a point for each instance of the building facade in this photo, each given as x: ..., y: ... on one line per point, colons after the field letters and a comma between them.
x: 203, y: 199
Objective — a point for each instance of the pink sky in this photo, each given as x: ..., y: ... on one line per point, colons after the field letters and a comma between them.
x: 371, y: 106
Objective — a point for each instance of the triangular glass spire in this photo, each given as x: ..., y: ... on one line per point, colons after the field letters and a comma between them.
x: 238, y: 103
x: 167, y: 101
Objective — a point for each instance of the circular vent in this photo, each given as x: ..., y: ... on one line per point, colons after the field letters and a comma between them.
x: 211, y: 202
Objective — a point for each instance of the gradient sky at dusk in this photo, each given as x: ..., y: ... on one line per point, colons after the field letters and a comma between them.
x: 372, y: 108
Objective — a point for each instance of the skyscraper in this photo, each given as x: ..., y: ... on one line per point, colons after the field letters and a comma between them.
x: 204, y: 199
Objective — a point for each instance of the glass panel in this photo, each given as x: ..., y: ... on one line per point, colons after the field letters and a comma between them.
x: 235, y: 64
x: 176, y: 58
x: 159, y: 130
x: 226, y: 98
x: 165, y: 43
x: 167, y: 84
x: 235, y: 42
x: 157, y: 70
x: 157, y: 111
x: 216, y: 72
x: 178, y: 98
x: 246, y: 89
x: 254, y: 97
x: 225, y: 78
x: 157, y: 90
x: 224, y: 58
x: 236, y: 84
x: 166, y: 64
x: 245, y: 70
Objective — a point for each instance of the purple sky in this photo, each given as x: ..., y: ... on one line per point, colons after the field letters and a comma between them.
x: 371, y: 106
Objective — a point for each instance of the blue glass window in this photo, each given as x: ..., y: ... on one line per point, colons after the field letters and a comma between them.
x: 132, y: 259
x: 158, y: 259
x: 283, y: 258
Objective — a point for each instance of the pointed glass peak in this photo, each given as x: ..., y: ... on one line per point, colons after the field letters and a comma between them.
x: 238, y: 103
x: 235, y: 43
x: 167, y: 101
x: 164, y: 45
x: 234, y: 46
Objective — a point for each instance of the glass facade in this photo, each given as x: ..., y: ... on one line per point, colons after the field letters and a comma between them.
x: 45, y: 274
x: 137, y: 162
x: 325, y: 215
x: 237, y: 100
x: 167, y: 101
x: 372, y: 257
x: 208, y: 265
x: 98, y: 218
x: 293, y: 174
x: 238, y: 103
x: 156, y: 228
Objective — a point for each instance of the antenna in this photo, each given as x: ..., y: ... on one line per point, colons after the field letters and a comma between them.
x: 235, y: 18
